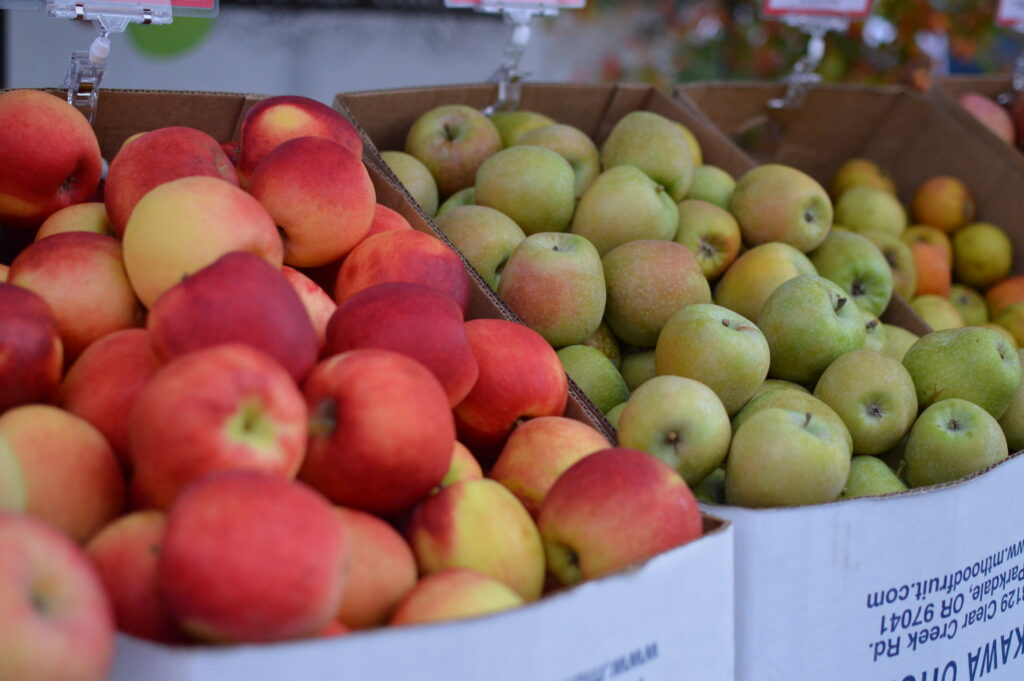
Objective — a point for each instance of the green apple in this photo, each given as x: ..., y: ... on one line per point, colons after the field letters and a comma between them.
x: 775, y: 384
x: 463, y: 197
x: 756, y: 274
x: 696, y: 153
x: 972, y: 363
x: 875, y: 334
x: 638, y: 367
x: 711, y: 184
x: 486, y: 237
x: 711, y: 490
x: 717, y: 347
x: 656, y: 146
x: 971, y: 304
x: 875, y: 397
x: 866, y: 209
x: 711, y: 233
x: 952, y: 438
x: 680, y: 421
x: 901, y: 262
x: 415, y: 177
x: 793, y: 400
x: 604, y: 340
x: 869, y: 477
x: 774, y: 202
x: 555, y: 283
x: 897, y: 341
x: 531, y: 185
x: 1012, y: 420
x: 614, y: 413
x: 514, y: 124
x: 982, y: 255
x: 624, y: 205
x: 937, y: 312
x: 808, y: 322
x: 780, y: 457
x: 595, y: 375
x: 453, y: 141
x: 859, y: 268
x: 574, y: 146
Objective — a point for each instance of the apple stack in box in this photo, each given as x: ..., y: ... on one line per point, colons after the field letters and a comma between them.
x: 241, y: 402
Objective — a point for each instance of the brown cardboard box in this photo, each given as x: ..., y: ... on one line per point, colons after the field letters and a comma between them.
x: 947, y: 90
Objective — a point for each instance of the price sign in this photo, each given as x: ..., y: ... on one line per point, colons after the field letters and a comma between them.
x: 1010, y: 13
x: 850, y: 9
x: 72, y: 9
x: 497, y: 5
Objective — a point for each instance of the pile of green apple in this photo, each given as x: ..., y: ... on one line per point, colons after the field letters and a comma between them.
x: 240, y: 401
x: 728, y: 326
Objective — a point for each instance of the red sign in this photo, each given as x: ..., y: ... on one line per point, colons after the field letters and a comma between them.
x: 1010, y: 13
x: 851, y: 9
x: 499, y: 4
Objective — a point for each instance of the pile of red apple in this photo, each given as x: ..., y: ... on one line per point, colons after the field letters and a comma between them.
x: 246, y: 455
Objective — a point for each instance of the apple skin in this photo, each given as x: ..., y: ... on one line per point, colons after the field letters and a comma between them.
x: 415, y: 177
x: 454, y: 594
x: 717, y: 347
x: 224, y: 407
x: 971, y: 304
x: 655, y: 145
x: 520, y: 377
x: 381, y: 571
x: 103, y: 383
x: 989, y: 114
x: 1012, y: 420
x: 756, y: 274
x: 773, y: 202
x: 595, y: 375
x: 513, y: 125
x: 898, y: 256
x: 860, y: 172
x: 870, y: 476
x: 943, y: 202
x: 57, y: 620
x: 453, y: 141
x: 952, y: 438
x: 711, y: 184
x: 973, y: 363
x: 403, y: 255
x: 712, y: 233
x: 126, y: 555
x: 184, y: 225
x: 932, y: 237
x: 555, y: 283
x: 237, y: 299
x: 249, y: 557
x: 897, y: 341
x: 70, y: 475
x: 604, y: 340
x: 463, y: 197
x: 82, y: 278
x: 462, y: 466
x: 1004, y: 293
x: 937, y: 312
x: 420, y: 322
x: 538, y: 452
x: 866, y: 209
x: 982, y: 255
x: 31, y: 352
x: 874, y: 333
x: 381, y: 431
x: 1011, y: 318
x: 318, y: 304
x: 81, y: 217
x: 51, y: 157
x: 639, y: 367
x: 858, y: 267
x: 792, y: 399
x: 276, y: 120
x: 386, y: 219
x: 319, y: 195
x: 532, y: 185
x: 574, y: 146
x: 612, y: 509
x: 485, y: 237
x: 157, y: 157
x: 478, y: 524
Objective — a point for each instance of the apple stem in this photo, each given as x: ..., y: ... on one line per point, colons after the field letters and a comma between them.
x: 840, y: 302
x: 807, y: 419
x: 725, y: 322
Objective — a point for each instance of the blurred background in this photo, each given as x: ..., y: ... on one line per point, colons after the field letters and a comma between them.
x: 320, y: 47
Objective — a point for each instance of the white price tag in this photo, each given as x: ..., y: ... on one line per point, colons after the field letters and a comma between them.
x: 516, y: 4
x: 1010, y: 13
x: 852, y: 9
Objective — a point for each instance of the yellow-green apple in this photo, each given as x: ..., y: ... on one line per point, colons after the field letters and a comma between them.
x: 900, y: 260
x: 512, y: 125
x: 696, y: 153
x: 866, y: 209
x: 1005, y: 292
x: 648, y: 280
x: 971, y: 304
x: 604, y: 340
x: 858, y: 267
x: 69, y: 474
x: 102, y: 384
x: 792, y: 399
x: 679, y: 420
x: 932, y: 237
x: 982, y: 255
x: 31, y: 353
x: 455, y: 594
x: 57, y: 620
x: 415, y: 177
x: 555, y: 283
x: 990, y: 114
x: 157, y: 157
x: 463, y: 197
x: 51, y: 157
x: 808, y: 322
x: 937, y: 312
x: 875, y: 397
x: 403, y: 255
x: 126, y: 554
x: 1004, y: 332
x: 615, y: 413
x: 520, y: 378
x: 712, y: 233
x: 781, y: 457
x: 453, y: 141
x: 952, y: 438
x: 224, y: 407
x: 711, y: 490
x: 624, y: 205
x: 1012, y: 420
x: 613, y: 509
x: 276, y: 120
x: 532, y: 185
x: 183, y: 225
x: 538, y: 452
x: 943, y: 202
x: 463, y: 466
x: 774, y: 384
x: 485, y: 237
x: 972, y: 363
x: 381, y: 570
x: 574, y: 146
x: 319, y: 195
x: 655, y: 145
x: 874, y: 332
x: 381, y: 432
x: 386, y: 219
x: 81, y: 217
x: 639, y: 367
x: 317, y: 302
x: 860, y: 172
x: 420, y: 322
x: 1011, y: 318
x: 238, y: 299
x: 711, y: 184
x: 478, y: 524
x: 595, y: 375
x: 82, y: 278
x: 717, y: 347
x: 869, y: 477
x: 774, y: 202
x: 756, y: 274
x: 250, y: 557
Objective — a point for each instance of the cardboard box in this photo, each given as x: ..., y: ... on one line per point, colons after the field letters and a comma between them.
x: 667, y: 619
x: 946, y: 91
x: 924, y: 585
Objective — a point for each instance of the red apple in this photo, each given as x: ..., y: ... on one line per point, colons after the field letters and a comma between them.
x: 233, y: 150
x: 989, y: 114
x: 81, y: 217
x: 318, y: 304
x: 386, y: 219
x: 31, y: 354
x: 463, y: 466
x: 454, y: 594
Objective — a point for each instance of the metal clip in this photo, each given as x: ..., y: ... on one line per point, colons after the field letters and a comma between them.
x: 804, y: 75
x: 79, y: 12
x: 509, y: 75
